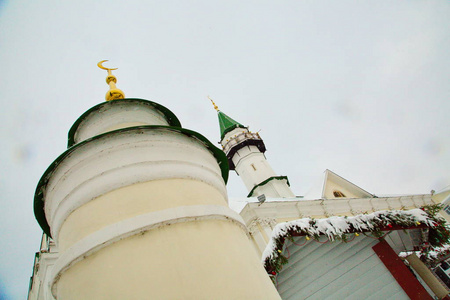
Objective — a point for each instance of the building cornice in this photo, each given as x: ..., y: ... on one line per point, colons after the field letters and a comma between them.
x: 292, y: 209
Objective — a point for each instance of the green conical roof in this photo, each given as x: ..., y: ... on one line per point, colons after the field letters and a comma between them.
x: 227, y: 124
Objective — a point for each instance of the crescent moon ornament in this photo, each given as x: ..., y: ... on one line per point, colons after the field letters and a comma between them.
x: 113, y: 93
x: 100, y: 65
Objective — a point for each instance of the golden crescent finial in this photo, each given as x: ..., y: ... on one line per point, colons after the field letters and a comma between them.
x: 102, y: 67
x: 212, y: 101
x: 113, y: 93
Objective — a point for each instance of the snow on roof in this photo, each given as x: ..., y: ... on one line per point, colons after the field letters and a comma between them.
x: 316, y: 190
x: 435, y: 255
x: 439, y: 251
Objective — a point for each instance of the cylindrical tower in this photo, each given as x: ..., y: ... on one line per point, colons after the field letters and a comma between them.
x: 138, y: 208
x: 245, y: 153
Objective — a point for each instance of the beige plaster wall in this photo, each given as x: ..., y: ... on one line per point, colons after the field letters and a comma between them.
x: 332, y: 186
x: 134, y: 200
x: 207, y: 259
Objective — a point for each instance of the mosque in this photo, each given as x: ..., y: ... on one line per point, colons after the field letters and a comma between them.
x: 137, y: 208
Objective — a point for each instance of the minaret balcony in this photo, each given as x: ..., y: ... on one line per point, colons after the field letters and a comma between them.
x: 240, y: 140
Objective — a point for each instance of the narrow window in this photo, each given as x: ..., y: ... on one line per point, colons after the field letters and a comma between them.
x: 253, y: 166
x: 338, y: 194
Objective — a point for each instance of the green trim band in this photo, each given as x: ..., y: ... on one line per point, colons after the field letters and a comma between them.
x: 266, y: 181
x: 39, y: 211
x: 170, y: 116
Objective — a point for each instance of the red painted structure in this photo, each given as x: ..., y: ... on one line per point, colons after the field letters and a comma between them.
x: 402, y: 275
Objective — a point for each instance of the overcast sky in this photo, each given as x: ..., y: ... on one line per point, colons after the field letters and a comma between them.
x: 360, y: 88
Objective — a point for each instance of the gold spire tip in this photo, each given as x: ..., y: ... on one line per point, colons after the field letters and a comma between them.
x: 114, y: 93
x: 212, y: 101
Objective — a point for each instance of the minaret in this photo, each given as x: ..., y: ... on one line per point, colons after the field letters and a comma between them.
x: 245, y: 153
x: 138, y: 208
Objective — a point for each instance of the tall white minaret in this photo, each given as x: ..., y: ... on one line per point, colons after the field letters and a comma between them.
x: 138, y: 208
x: 245, y: 153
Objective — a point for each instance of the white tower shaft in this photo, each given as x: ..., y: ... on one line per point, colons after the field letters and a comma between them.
x: 245, y: 152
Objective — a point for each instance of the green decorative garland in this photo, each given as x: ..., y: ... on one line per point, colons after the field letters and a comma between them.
x: 338, y: 228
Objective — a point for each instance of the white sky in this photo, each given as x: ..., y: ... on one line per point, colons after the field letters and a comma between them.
x: 360, y: 88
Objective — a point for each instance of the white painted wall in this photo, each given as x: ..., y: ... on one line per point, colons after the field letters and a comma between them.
x: 116, y: 116
x: 208, y: 259
x: 123, y: 159
x: 252, y: 166
x: 139, y: 212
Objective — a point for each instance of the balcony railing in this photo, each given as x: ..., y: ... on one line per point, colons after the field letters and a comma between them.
x: 239, y: 138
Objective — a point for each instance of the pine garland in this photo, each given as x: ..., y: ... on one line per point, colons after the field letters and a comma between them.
x: 439, y: 234
x: 438, y: 237
x: 338, y: 228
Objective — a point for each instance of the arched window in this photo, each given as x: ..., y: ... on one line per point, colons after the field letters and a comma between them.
x: 338, y: 194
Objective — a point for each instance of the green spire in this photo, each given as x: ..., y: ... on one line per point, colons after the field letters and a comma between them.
x: 227, y: 124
